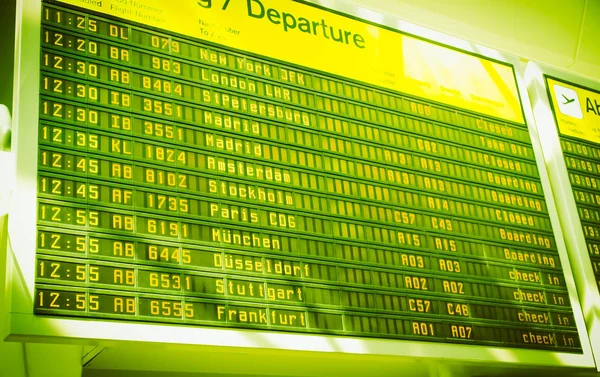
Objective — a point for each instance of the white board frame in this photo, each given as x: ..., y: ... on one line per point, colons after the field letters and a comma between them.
x: 24, y: 326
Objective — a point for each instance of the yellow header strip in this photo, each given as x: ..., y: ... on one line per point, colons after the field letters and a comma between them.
x: 577, y: 110
x: 308, y: 36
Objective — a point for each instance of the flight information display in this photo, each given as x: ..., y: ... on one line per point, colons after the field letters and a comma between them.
x: 577, y: 113
x: 183, y: 179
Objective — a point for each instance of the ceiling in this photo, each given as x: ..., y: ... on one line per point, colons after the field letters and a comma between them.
x: 561, y: 33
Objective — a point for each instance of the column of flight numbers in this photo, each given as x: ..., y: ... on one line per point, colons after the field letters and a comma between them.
x: 158, y: 130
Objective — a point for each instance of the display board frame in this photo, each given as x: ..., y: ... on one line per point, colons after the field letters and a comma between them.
x: 536, y: 76
x: 22, y: 325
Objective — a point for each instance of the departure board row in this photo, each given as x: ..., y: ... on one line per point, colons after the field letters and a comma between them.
x: 186, y: 182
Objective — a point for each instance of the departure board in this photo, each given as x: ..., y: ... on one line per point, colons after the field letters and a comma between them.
x: 185, y: 179
x: 577, y: 113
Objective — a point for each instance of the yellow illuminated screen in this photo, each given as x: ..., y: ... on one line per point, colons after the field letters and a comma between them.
x: 576, y: 109
x: 200, y: 183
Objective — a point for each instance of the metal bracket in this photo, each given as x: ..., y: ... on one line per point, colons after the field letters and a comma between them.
x: 90, y: 354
